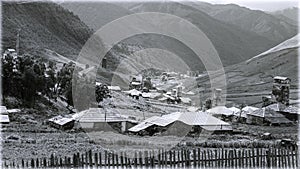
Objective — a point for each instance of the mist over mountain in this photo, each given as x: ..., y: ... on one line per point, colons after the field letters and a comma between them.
x: 290, y: 13
x: 274, y: 28
x: 233, y: 43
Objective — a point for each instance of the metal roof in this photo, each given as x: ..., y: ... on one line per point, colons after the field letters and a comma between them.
x: 220, y: 110
x: 94, y: 115
x: 114, y: 88
x: 4, y: 118
x: 189, y: 118
x: 234, y: 109
x: 60, y: 120
x: 274, y: 107
x: 281, y: 78
x: 292, y: 110
x: 265, y: 112
x: 140, y: 127
x: 3, y: 109
x: 250, y: 108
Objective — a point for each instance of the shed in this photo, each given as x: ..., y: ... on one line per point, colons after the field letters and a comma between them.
x: 61, y: 122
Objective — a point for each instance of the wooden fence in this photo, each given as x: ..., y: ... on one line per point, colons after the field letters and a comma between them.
x: 195, y: 158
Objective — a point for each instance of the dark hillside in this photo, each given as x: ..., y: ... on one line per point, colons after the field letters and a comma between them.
x: 43, y: 25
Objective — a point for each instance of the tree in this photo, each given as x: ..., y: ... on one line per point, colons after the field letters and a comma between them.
x: 101, y: 92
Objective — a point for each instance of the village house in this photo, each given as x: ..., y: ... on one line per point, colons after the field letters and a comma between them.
x: 96, y: 119
x: 4, y: 118
x: 221, y: 112
x: 291, y: 112
x: 181, y: 123
x: 267, y: 116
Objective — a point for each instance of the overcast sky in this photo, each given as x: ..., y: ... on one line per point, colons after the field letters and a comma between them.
x: 266, y: 5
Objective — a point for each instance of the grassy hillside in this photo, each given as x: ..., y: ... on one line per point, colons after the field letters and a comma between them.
x: 43, y: 25
x: 248, y: 81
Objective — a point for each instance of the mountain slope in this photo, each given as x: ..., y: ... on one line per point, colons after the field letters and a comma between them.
x: 250, y: 80
x: 96, y: 14
x: 43, y: 25
x: 263, y: 24
x: 291, y: 13
x: 233, y: 44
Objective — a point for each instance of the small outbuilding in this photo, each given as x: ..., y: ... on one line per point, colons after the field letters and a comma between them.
x: 61, y: 122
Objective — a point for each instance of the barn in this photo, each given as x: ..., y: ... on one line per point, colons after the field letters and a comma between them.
x: 181, y: 123
x: 96, y: 119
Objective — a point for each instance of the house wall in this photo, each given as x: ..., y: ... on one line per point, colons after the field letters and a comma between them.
x: 178, y: 129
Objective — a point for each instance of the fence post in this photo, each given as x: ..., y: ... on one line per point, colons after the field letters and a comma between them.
x: 268, y: 158
x: 235, y: 158
x: 297, y: 157
x: 113, y: 159
x: 122, y: 159
x: 182, y: 158
x: 117, y: 159
x: 146, y: 158
x: 174, y: 158
x: 96, y: 159
x: 23, y: 164
x: 60, y: 162
x: 140, y: 159
x: 105, y: 157
x: 100, y: 159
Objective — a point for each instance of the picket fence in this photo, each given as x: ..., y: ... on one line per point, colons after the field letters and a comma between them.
x: 194, y: 158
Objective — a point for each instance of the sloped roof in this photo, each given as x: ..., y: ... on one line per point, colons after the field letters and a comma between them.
x: 234, y: 109
x: 193, y: 109
x: 133, y: 92
x: 250, y: 108
x: 4, y: 118
x: 281, y: 78
x: 146, y: 95
x: 292, y: 110
x: 60, y: 120
x: 220, y: 110
x: 186, y: 100
x: 265, y: 112
x: 140, y: 127
x: 274, y: 107
x: 270, y: 115
x: 3, y: 110
x: 114, y: 88
x: 189, y: 118
x: 100, y: 115
x: 13, y: 110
